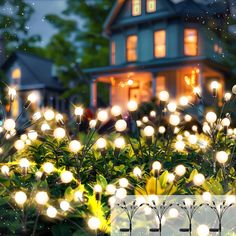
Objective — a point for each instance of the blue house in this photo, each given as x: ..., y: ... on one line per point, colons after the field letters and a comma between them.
x: 158, y: 45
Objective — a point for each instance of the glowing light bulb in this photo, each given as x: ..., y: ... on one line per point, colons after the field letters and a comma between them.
x: 51, y: 212
x: 97, y: 188
x: 92, y: 124
x: 78, y: 196
x: 33, y: 135
x: 214, y: 85
x: 197, y: 91
x: 121, y: 193
x: 206, y: 196
x: 211, y: 117
x: 225, y: 122
x: 153, y: 114
x: 59, y: 118
x: 66, y: 177
x: 179, y: 145
x: 198, y: 179
x: 203, y: 230
x: 32, y: 97
x: 45, y: 127
x: 186, y: 133
x: 149, y: 131
x: 145, y: 119
x: 75, y: 146
x: 5, y: 170
x: 222, y: 157
x: 187, y: 118
x: 59, y: 133
x: 230, y: 199
x: 170, y: 177
x: 174, y: 120
x: 9, y: 124
x: 162, y: 129
x: 192, y: 139
x: 172, y: 106
x: 79, y: 111
x: 227, y: 96
x: 137, y: 172
x: 234, y: 90
x: 101, y: 143
x: 173, y: 213
x: 49, y: 115
x: 64, y: 205
x: 119, y: 143
x: 41, y: 198
x: 139, y: 123
x: 183, y: 101
x: 36, y: 116
x: 116, y: 111
x: 102, y: 116
x: 121, y: 125
x: 123, y: 182
x: 20, y: 198
x: 19, y: 145
x: 24, y: 163
x: 12, y: 93
x: 132, y: 106
x: 111, y: 189
x: 48, y: 167
x: 156, y: 166
x: 164, y: 96
x: 94, y: 223
x: 180, y: 170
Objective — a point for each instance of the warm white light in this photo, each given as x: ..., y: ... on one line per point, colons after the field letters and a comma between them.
x: 214, y: 85
x: 156, y: 166
x: 162, y: 129
x: 164, y: 96
x: 123, y: 182
x: 174, y: 120
x: 188, y: 202
x: 145, y: 119
x: 206, y: 196
x: 121, y: 125
x: 5, y: 170
x: 75, y: 146
x: 20, y: 198
x: 179, y: 145
x: 36, y: 116
x: 32, y: 135
x: 9, y: 124
x: 78, y: 196
x: 192, y: 139
x: 170, y: 177
x: 66, y: 177
x: 24, y: 163
x: 32, y: 97
x: 230, y: 199
x: 179, y: 137
x: 225, y: 122
x: 64, y: 205
x: 187, y: 118
x: 234, y: 90
x: 38, y: 175
x: 102, y: 116
x: 51, y: 212
x: 92, y: 124
x: 119, y: 143
x: 148, y: 131
x: 186, y: 134
x: 194, y: 128
x: 19, y: 144
x: 94, y: 223
x: 48, y: 167
x: 101, y: 143
x: 41, y: 198
x: 45, y: 127
x: 59, y: 117
x: 227, y: 96
x: 79, y: 111
x: 197, y: 91
x: 180, y: 170
x: 173, y: 213
x: 183, y: 101
x: 49, y: 115
x: 137, y: 172
x: 116, y: 111
x: 172, y: 106
x: 198, y: 179
x: 111, y: 189
x: 206, y: 128
x: 222, y: 157
x: 203, y: 230
x: 139, y: 123
x: 59, y: 133
x: 11, y: 93
x: 211, y: 117
x: 121, y: 193
x: 97, y: 188
x: 153, y: 114
x: 132, y: 106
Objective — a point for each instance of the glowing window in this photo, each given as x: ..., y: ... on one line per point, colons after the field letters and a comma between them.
x: 131, y: 48
x: 136, y: 7
x: 113, y: 53
x: 16, y: 73
x: 160, y: 43
x: 151, y: 6
x: 190, y: 42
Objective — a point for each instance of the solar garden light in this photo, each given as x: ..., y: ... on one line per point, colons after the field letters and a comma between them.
x: 197, y: 92
x: 94, y: 223
x: 98, y: 192
x: 24, y: 164
x: 225, y: 123
x: 101, y: 144
x: 116, y: 112
x: 60, y: 119
x: 119, y: 144
x: 79, y: 111
x: 214, y: 86
x: 149, y: 132
x: 120, y: 125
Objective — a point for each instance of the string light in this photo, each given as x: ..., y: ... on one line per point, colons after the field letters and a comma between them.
x: 51, y: 212
x: 20, y: 198
x: 132, y: 106
x: 41, y: 198
x: 116, y: 111
x: 66, y: 177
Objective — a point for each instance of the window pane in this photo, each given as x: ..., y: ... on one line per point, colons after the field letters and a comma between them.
x: 190, y: 42
x: 136, y: 7
x: 151, y: 6
x: 131, y: 47
x: 113, y: 53
x: 160, y: 43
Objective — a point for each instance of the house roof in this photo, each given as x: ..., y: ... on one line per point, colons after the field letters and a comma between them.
x: 39, y: 71
x: 183, y: 8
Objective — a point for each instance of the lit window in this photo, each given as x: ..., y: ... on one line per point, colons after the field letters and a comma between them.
x: 131, y: 48
x: 151, y: 6
x: 16, y: 74
x: 113, y: 53
x: 190, y: 42
x: 136, y: 7
x: 160, y: 43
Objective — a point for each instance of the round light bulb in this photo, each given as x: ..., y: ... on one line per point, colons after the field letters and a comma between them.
x: 32, y: 97
x: 75, y: 146
x: 164, y: 96
x: 227, y: 96
x: 123, y: 182
x: 149, y: 131
x: 145, y: 119
x: 170, y: 177
x: 132, y: 106
x: 156, y: 166
x: 203, y: 230
x: 49, y: 115
x: 180, y: 170
x: 222, y: 157
x: 211, y: 117
x: 5, y: 170
x: 162, y: 130
x: 64, y: 205
x: 102, y: 116
x: 121, y: 125
x: 119, y: 143
x: 36, y: 116
x: 214, y: 85
x: 183, y: 101
x: 32, y: 135
x: 234, y: 90
x: 172, y: 106
x: 92, y: 124
x: 41, y: 198
x: 225, y: 122
x: 187, y: 118
x: 153, y: 114
x: 48, y: 167
x: 19, y: 144
x: 94, y: 223
x: 97, y: 188
x: 9, y: 124
x: 206, y: 196
x: 197, y: 91
x: 78, y: 196
x: 121, y: 193
x: 59, y: 133
x: 79, y: 111
x: 173, y: 213
x: 51, y: 212
x: 66, y: 177
x: 192, y: 139
x: 174, y: 120
x: 198, y: 179
x: 101, y: 143
x: 111, y: 189
x: 179, y: 145
x: 116, y: 111
x: 137, y: 172
x: 20, y: 198
x: 24, y: 163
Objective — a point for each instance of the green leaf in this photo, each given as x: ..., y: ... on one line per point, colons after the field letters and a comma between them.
x: 69, y: 194
x: 102, y: 180
x: 163, y: 179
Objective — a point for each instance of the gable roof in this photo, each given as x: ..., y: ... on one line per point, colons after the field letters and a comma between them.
x: 39, y: 71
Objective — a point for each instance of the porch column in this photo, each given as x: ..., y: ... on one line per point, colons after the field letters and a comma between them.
x: 154, y: 84
x: 93, y: 93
